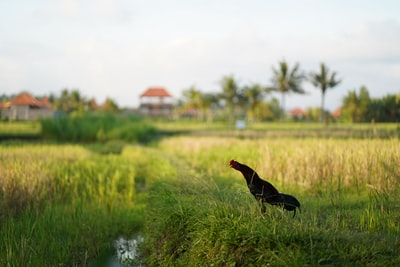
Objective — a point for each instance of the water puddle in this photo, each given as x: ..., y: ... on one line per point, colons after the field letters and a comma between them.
x: 125, y: 254
x: 127, y: 251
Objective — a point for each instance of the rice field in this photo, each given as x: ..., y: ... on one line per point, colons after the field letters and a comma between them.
x: 349, y: 191
x: 65, y: 205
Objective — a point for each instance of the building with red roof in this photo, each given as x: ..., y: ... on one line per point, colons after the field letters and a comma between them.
x: 297, y: 113
x: 156, y: 101
x: 26, y: 99
x: 337, y: 113
x: 159, y: 92
x: 26, y: 107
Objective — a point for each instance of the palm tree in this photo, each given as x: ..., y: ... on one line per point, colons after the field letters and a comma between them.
x: 323, y: 80
x: 286, y: 80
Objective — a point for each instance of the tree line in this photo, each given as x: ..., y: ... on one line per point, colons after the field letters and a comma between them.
x: 360, y: 107
x: 249, y: 101
x: 73, y: 101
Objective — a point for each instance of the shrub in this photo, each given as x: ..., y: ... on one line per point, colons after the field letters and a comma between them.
x: 93, y: 127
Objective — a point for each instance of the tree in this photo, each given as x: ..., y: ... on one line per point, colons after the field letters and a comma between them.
x: 355, y: 106
x: 231, y: 94
x: 62, y: 103
x: 254, y: 95
x: 268, y: 110
x: 203, y: 103
x: 385, y: 109
x: 111, y: 106
x: 286, y: 80
x: 350, y: 105
x: 210, y: 104
x: 323, y: 80
x: 77, y: 101
x: 70, y: 101
x: 193, y: 99
x: 364, y: 100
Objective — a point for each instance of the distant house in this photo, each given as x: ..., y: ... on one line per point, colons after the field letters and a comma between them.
x: 337, y: 113
x: 26, y: 107
x: 297, y: 114
x: 156, y: 101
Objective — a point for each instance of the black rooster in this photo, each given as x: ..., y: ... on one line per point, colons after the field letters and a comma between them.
x: 264, y: 191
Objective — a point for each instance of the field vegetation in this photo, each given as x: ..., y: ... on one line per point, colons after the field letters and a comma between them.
x: 290, y: 129
x: 64, y: 204
x: 19, y: 129
x: 348, y: 190
x: 61, y: 204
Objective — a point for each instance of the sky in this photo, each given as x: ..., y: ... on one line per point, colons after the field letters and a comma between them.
x: 119, y: 48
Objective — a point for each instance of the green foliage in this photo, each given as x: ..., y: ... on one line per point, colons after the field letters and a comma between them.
x: 17, y: 128
x: 92, y: 127
x: 232, y: 95
x: 359, y: 107
x: 209, y: 218
x: 65, y: 235
x: 110, y: 147
x: 133, y: 132
x: 62, y: 205
x: 254, y: 95
x: 111, y: 106
x: 385, y: 109
x: 74, y: 101
x: 152, y: 166
x: 28, y: 130
x: 70, y: 101
x: 269, y: 110
x: 288, y: 129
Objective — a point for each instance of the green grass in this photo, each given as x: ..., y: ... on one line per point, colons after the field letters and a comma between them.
x: 64, y: 205
x: 286, y: 129
x: 97, y: 127
x: 19, y: 130
x: 31, y: 127
x: 107, y: 127
x: 348, y: 190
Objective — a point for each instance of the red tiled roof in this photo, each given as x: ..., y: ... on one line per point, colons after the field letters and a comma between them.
x: 156, y: 91
x: 45, y: 102
x: 336, y: 114
x: 4, y: 105
x: 297, y: 112
x: 25, y: 99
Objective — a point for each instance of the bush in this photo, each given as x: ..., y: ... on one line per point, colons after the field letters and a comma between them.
x: 93, y: 127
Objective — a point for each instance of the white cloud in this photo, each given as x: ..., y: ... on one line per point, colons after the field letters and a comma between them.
x: 102, y: 49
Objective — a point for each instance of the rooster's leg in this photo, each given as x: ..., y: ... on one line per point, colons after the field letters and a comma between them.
x: 263, y: 208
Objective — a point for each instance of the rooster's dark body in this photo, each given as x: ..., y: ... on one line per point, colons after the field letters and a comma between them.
x: 264, y: 191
